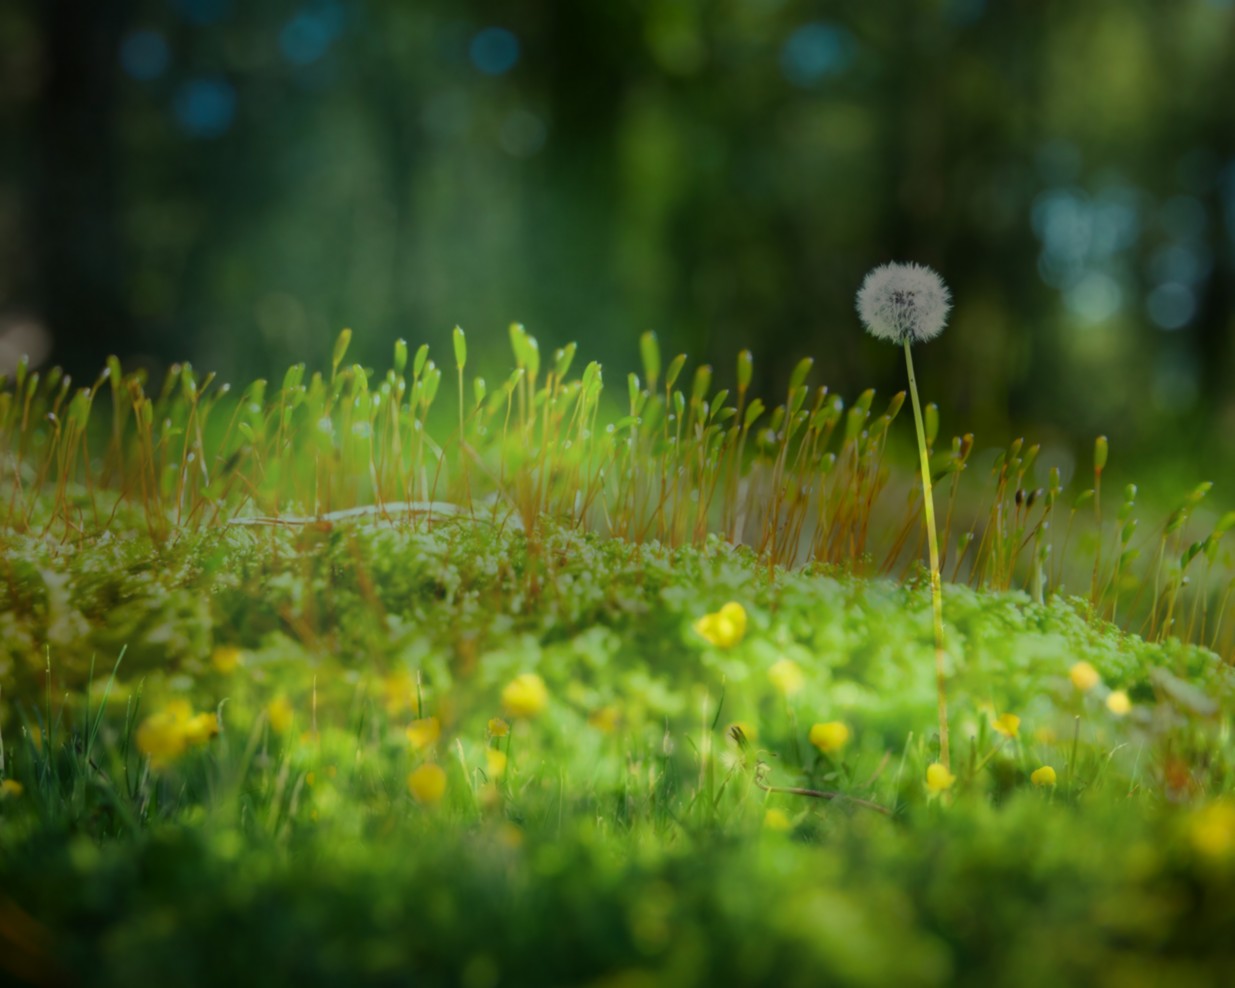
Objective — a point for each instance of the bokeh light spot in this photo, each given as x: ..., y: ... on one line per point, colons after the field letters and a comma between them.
x: 201, y: 11
x: 1186, y: 263
x: 494, y: 51
x: 1171, y: 306
x: 144, y: 55
x: 309, y: 35
x: 205, y: 107
x: 1094, y: 298
x: 1183, y: 217
x: 815, y: 51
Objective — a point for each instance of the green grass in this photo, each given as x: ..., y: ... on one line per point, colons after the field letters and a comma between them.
x: 191, y: 552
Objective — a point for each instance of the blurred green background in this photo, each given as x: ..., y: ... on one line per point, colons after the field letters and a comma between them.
x: 234, y: 181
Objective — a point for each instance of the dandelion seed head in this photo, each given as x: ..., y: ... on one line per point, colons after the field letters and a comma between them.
x: 899, y: 302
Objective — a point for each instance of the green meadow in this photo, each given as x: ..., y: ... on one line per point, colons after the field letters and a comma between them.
x: 396, y: 676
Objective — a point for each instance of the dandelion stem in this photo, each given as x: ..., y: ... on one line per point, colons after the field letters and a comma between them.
x: 928, y: 505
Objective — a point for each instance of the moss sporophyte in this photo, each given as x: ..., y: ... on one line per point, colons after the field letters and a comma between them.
x: 906, y: 304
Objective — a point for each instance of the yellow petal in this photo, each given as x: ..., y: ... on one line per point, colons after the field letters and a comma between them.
x: 525, y: 695
x: 830, y: 737
x: 938, y: 778
x: 427, y: 784
x: 1084, y: 676
x: 424, y: 732
x: 280, y: 712
x: 786, y: 675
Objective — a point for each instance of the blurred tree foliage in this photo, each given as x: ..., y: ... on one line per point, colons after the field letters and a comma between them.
x: 238, y: 179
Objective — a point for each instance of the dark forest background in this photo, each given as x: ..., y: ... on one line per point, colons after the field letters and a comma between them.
x: 233, y: 181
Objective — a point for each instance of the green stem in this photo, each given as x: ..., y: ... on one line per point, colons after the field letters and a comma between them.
x: 928, y: 504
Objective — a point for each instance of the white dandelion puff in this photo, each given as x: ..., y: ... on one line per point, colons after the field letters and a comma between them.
x: 907, y: 304
x: 903, y: 302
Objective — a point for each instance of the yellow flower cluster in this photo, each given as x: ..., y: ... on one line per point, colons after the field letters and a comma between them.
x: 226, y: 659
x: 10, y: 787
x: 1212, y: 830
x: 427, y: 784
x: 524, y: 696
x: 424, y: 732
x: 280, y: 712
x: 830, y: 737
x: 1044, y: 776
x: 166, y: 735
x: 1084, y: 676
x: 938, y: 778
x: 495, y: 762
x: 786, y: 675
x: 724, y: 628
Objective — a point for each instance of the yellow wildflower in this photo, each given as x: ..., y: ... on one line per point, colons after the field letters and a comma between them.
x: 161, y: 738
x: 280, y: 712
x: 774, y: 819
x: 1212, y: 830
x: 509, y: 835
x: 200, y: 728
x: 525, y: 695
x: 498, y: 728
x: 830, y: 737
x: 398, y: 692
x: 938, y: 778
x: 1009, y: 725
x: 495, y: 761
x: 424, y: 732
x: 787, y: 677
x: 605, y: 719
x: 1118, y: 703
x: 166, y: 735
x: 427, y: 784
x: 10, y: 787
x: 1084, y: 676
x: 724, y: 628
x: 1044, y: 776
x: 226, y: 659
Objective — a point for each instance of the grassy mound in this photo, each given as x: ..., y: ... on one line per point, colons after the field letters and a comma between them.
x: 369, y: 752
x: 547, y: 688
